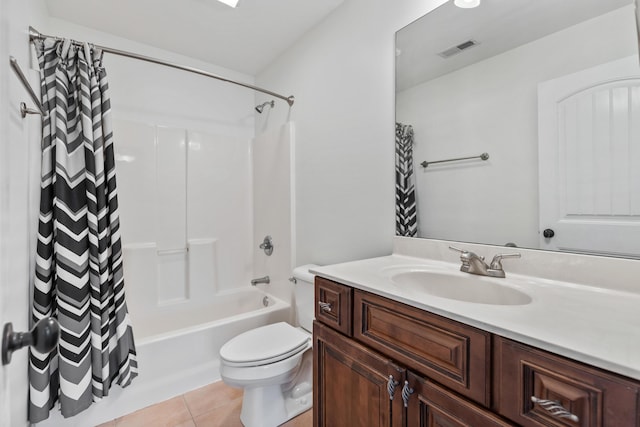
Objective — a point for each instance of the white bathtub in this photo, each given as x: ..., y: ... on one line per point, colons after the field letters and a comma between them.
x: 178, y: 349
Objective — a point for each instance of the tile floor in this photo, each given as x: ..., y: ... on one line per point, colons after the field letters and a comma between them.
x: 215, y: 405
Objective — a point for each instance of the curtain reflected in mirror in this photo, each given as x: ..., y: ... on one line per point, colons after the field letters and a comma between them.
x: 406, y: 213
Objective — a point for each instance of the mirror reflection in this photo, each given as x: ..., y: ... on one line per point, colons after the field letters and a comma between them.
x: 520, y: 125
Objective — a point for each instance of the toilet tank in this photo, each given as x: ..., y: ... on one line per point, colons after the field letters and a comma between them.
x: 304, y: 295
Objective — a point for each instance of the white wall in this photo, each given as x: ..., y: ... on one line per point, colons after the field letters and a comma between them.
x: 342, y: 75
x: 498, y: 99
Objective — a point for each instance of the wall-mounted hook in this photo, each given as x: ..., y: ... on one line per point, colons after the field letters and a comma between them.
x: 24, y: 110
x: 267, y: 245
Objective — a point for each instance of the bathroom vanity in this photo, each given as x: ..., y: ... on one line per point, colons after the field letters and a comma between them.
x: 389, y: 353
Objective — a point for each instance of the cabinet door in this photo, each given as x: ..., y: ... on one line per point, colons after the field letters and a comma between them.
x: 430, y: 405
x: 351, y: 384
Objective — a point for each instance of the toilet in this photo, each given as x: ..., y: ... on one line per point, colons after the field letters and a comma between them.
x: 274, y: 363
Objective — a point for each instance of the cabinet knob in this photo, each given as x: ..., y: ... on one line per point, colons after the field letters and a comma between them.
x: 406, y: 393
x: 325, y: 306
x: 555, y: 409
x: 548, y: 233
x: 391, y: 386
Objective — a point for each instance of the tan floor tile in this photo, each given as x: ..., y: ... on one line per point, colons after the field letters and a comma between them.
x: 207, y: 398
x: 169, y: 413
x: 189, y: 423
x: 223, y: 416
x: 303, y: 420
x: 111, y: 423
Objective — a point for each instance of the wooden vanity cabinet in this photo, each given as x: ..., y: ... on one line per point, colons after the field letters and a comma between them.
x: 451, y: 374
x: 392, y: 342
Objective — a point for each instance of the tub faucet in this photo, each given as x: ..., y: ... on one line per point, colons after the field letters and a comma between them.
x: 264, y: 279
x: 475, y: 264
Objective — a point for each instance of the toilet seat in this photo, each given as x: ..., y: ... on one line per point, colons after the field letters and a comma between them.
x: 264, y: 345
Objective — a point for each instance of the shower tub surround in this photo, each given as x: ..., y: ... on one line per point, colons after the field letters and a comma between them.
x: 175, y: 361
x: 187, y: 231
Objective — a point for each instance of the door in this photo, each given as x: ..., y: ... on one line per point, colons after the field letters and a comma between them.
x: 5, y: 403
x: 589, y: 160
x: 15, y: 229
x: 352, y: 384
x: 19, y: 162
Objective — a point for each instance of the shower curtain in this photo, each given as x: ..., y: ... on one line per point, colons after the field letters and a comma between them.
x: 406, y: 210
x: 78, y: 277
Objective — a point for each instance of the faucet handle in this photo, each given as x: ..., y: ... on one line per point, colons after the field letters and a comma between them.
x: 465, y: 254
x: 453, y: 248
x: 496, y: 262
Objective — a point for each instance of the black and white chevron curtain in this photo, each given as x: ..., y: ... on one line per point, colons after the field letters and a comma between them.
x: 78, y: 277
x: 406, y: 210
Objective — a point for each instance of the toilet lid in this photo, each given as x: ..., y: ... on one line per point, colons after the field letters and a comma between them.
x: 266, y: 344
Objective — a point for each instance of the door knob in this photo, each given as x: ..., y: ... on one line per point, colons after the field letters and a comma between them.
x: 43, y: 337
x: 548, y: 233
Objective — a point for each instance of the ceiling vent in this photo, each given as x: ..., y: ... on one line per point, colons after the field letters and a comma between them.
x: 459, y: 48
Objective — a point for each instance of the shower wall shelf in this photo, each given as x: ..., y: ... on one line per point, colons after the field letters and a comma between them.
x: 483, y: 156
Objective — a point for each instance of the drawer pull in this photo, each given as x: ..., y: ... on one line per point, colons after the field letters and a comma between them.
x: 406, y: 393
x: 391, y: 386
x: 325, y: 306
x: 555, y: 409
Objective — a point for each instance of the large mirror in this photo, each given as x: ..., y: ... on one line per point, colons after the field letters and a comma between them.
x: 518, y: 124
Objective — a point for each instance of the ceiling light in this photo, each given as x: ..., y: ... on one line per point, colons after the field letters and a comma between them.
x: 466, y: 4
x: 232, y: 3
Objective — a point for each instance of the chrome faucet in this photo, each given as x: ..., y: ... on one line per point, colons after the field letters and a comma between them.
x: 264, y: 279
x: 475, y: 264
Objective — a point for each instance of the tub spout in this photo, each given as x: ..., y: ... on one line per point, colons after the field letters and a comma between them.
x: 264, y: 279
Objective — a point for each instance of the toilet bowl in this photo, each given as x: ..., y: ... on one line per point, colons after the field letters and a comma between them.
x: 274, y: 363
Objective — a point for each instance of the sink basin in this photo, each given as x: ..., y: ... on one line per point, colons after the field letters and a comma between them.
x: 459, y: 286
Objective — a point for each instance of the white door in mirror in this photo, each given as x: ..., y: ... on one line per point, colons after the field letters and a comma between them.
x: 589, y: 160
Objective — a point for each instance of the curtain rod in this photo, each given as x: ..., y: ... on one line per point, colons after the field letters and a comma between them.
x: 35, y: 34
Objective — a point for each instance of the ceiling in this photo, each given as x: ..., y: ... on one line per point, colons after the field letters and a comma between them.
x: 498, y: 26
x: 244, y: 39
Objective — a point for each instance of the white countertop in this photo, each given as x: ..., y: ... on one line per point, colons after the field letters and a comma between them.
x: 594, y: 325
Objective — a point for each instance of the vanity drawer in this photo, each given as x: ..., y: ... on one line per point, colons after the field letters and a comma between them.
x: 333, y: 305
x: 586, y: 396
x: 455, y: 355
